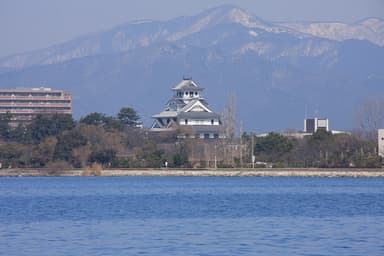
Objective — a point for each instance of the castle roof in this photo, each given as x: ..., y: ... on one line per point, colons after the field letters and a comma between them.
x: 166, y: 114
x: 187, y: 84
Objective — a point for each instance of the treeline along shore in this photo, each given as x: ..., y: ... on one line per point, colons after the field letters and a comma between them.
x: 99, y: 144
x: 223, y: 172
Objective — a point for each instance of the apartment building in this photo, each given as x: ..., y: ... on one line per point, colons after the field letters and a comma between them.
x: 24, y: 104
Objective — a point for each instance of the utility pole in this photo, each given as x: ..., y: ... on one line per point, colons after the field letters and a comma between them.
x: 241, y: 144
x: 215, y: 159
x: 253, y: 154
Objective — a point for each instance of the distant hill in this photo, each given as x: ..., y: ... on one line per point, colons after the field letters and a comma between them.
x: 277, y: 71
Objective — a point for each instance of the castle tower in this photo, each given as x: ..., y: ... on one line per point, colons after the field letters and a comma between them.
x: 187, y: 108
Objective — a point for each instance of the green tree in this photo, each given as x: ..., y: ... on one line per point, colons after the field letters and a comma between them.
x: 129, y: 117
x: 95, y: 118
x: 4, y: 125
x: 180, y: 158
x: 21, y: 134
x: 272, y: 147
x: 13, y: 155
x: 321, y: 145
x: 150, y: 156
x: 102, y: 120
x: 49, y: 125
x: 321, y: 137
x: 66, y: 142
x: 43, y: 152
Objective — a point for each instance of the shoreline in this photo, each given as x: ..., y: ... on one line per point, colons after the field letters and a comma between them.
x: 223, y: 172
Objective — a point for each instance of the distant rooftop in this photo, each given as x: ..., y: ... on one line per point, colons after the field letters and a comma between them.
x: 35, y: 89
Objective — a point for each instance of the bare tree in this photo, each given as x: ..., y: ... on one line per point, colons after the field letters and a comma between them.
x: 371, y: 117
x: 229, y: 118
x: 229, y: 130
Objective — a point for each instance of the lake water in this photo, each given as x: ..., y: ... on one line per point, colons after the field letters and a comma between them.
x: 191, y: 216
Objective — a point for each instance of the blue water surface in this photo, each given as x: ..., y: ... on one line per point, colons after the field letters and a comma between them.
x: 191, y: 216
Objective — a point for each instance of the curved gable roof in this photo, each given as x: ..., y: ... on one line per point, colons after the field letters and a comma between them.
x: 195, y: 103
x: 187, y: 84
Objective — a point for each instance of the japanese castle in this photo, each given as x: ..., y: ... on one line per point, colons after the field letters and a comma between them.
x: 189, y: 110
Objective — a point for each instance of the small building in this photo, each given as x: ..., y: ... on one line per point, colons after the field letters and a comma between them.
x: 313, y: 124
x: 24, y: 104
x: 187, y: 110
x: 380, y: 142
x: 310, y: 127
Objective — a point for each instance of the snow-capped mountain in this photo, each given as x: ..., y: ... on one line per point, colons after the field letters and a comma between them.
x: 371, y: 29
x: 134, y: 35
x: 141, y: 34
x: 275, y: 70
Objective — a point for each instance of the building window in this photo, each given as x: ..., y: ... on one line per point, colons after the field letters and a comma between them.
x: 212, y: 121
x: 186, y: 121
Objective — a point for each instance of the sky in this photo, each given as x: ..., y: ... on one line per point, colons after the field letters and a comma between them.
x: 32, y: 24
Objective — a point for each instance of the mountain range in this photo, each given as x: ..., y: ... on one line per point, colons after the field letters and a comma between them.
x: 279, y: 72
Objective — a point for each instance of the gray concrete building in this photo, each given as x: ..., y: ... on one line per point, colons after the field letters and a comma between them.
x: 313, y: 124
x: 380, y: 142
x: 24, y: 104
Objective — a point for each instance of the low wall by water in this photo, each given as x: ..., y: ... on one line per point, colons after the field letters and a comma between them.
x: 275, y: 172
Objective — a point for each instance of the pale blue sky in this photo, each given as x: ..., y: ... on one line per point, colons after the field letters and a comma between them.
x: 33, y: 24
